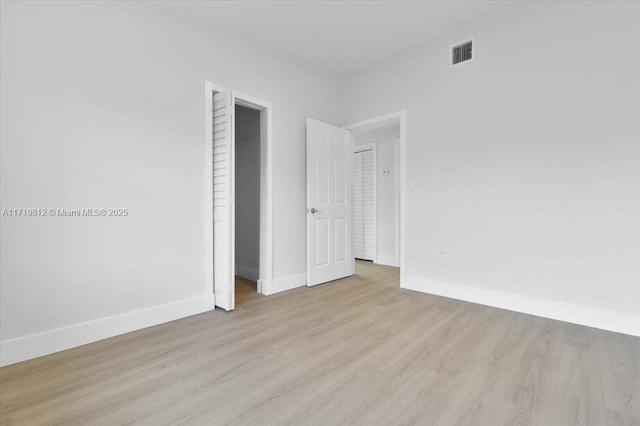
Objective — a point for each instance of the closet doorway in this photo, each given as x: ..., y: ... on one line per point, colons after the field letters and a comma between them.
x: 248, y: 201
x: 364, y: 202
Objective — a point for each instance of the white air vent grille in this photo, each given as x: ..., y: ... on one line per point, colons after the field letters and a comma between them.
x: 462, y: 52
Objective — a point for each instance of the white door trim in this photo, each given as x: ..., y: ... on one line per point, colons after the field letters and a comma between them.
x: 374, y: 148
x: 402, y: 115
x: 265, y: 280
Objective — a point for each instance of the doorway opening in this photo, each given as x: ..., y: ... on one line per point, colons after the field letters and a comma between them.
x: 238, y: 194
x: 378, y: 189
x: 247, y: 201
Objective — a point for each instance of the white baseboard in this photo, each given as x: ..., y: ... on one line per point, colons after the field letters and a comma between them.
x: 576, y: 314
x: 283, y: 284
x: 48, y: 342
x: 388, y: 260
x: 249, y: 273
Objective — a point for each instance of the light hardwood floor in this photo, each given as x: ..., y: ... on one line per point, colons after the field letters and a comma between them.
x: 355, y: 351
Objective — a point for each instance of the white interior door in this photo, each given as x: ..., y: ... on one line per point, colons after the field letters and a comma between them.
x: 358, y: 208
x: 364, y: 204
x: 223, y: 200
x: 329, y: 204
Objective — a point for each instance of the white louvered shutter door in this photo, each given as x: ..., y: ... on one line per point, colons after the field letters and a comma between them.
x: 368, y: 207
x: 223, y: 226
x: 358, y: 251
x: 364, y: 224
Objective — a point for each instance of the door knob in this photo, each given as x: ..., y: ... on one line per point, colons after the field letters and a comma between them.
x: 313, y: 210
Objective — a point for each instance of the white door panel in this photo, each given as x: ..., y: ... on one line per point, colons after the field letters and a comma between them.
x: 329, y: 250
x: 368, y: 206
x: 364, y: 204
x: 223, y: 200
x: 358, y: 241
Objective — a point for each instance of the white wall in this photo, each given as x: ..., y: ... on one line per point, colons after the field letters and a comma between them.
x: 103, y: 106
x: 388, y: 207
x: 247, y: 192
x: 524, y: 164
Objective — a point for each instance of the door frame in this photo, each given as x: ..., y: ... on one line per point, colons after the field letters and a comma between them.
x: 374, y: 148
x: 402, y: 116
x: 265, y: 279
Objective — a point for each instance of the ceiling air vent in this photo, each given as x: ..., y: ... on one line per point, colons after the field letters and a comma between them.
x: 461, y: 52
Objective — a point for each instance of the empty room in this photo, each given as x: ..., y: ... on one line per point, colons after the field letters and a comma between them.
x: 319, y: 212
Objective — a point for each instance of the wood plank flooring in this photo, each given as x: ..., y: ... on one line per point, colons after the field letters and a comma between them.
x: 356, y: 351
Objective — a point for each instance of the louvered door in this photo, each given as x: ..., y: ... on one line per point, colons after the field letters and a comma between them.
x: 223, y: 200
x: 364, y: 202
x: 358, y: 240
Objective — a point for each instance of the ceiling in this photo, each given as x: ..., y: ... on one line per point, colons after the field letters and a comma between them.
x: 340, y: 38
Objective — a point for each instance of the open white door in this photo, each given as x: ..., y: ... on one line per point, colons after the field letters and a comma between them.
x: 223, y: 200
x: 329, y: 251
